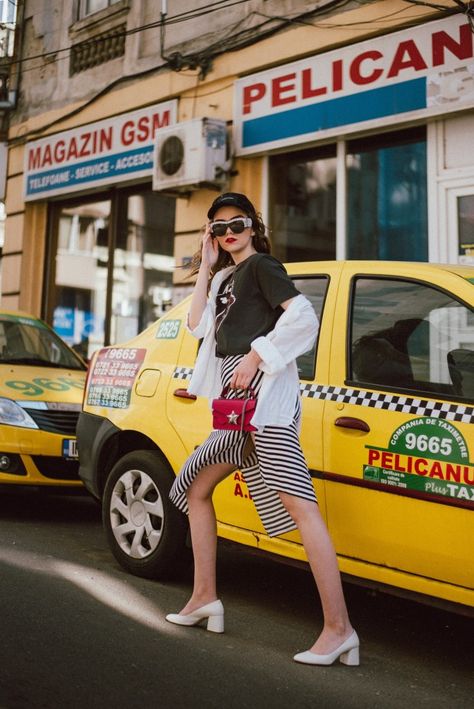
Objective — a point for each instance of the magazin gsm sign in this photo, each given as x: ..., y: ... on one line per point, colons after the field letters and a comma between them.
x: 423, y: 71
x: 102, y: 153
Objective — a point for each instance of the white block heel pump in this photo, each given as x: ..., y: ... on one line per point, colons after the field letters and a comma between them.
x: 347, y: 652
x: 213, y: 612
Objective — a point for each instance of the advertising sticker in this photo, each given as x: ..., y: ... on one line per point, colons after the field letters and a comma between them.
x: 113, y: 376
x: 427, y: 455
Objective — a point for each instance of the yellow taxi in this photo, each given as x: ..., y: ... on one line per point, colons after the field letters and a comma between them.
x: 41, y: 389
x: 388, y: 431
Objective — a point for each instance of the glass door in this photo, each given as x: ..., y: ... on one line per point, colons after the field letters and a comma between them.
x: 460, y: 223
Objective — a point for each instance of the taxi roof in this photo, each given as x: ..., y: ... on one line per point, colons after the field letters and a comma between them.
x: 308, y: 267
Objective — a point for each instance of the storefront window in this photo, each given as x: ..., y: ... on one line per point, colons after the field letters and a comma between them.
x: 303, y: 205
x: 111, y: 268
x: 387, y: 197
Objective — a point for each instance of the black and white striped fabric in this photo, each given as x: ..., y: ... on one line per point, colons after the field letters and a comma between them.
x: 276, y: 462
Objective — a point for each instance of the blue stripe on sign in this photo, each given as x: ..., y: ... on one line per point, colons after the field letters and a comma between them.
x: 91, y: 170
x: 364, y: 106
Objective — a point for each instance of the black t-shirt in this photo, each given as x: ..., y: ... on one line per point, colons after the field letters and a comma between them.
x: 248, y: 303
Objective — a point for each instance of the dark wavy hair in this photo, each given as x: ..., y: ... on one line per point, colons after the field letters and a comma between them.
x: 260, y: 242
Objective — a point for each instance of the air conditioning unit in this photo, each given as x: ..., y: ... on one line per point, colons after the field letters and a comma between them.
x: 190, y: 154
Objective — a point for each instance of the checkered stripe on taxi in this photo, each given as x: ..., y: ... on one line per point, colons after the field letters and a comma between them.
x: 387, y: 402
x: 390, y: 402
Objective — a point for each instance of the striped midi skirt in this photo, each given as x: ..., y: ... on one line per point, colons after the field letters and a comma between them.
x: 275, y: 463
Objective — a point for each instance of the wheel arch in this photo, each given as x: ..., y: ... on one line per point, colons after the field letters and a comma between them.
x: 120, y: 444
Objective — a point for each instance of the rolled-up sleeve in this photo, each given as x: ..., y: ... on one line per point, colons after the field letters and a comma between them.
x: 203, y: 325
x: 294, y: 334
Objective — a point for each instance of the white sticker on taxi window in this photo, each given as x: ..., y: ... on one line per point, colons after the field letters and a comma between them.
x: 426, y: 455
x: 168, y: 329
x: 112, y: 377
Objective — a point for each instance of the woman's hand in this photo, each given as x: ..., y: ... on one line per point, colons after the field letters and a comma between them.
x: 245, y: 371
x: 209, y: 249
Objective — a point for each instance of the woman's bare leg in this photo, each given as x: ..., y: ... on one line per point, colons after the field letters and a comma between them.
x: 323, y: 562
x: 202, y: 522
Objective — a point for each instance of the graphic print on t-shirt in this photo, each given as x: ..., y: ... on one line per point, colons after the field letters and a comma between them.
x: 224, y: 301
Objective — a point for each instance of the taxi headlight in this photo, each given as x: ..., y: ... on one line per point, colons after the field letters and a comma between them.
x: 13, y: 415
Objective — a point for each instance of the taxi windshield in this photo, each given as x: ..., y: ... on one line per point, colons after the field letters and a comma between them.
x: 25, y: 340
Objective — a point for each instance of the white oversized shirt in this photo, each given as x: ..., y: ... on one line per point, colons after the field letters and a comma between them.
x: 293, y: 335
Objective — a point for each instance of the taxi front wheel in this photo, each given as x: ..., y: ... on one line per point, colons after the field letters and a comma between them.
x: 145, y: 531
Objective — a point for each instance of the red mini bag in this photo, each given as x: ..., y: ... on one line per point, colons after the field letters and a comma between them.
x: 234, y: 414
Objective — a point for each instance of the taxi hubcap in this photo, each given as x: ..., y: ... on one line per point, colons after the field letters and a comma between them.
x: 136, y: 514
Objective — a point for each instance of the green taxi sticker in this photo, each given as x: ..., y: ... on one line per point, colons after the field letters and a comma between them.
x: 168, y: 329
x: 425, y: 454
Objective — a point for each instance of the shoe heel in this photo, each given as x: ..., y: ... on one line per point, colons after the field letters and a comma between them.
x: 215, y: 623
x: 351, y: 657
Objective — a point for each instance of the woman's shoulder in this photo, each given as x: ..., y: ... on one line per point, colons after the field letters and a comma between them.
x: 266, y: 261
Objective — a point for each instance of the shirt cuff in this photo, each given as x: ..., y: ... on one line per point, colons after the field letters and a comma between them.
x: 272, y: 361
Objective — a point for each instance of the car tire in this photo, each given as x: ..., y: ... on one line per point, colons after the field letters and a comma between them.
x: 145, y: 531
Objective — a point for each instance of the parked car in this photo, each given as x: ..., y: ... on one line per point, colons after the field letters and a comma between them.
x: 388, y: 431
x: 41, y: 389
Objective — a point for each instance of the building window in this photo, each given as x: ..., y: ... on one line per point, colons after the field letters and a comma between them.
x: 387, y: 214
x: 88, y: 7
x: 303, y: 205
x: 112, y: 264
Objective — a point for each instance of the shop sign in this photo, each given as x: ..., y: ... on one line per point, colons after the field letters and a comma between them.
x: 415, y: 73
x: 96, y: 154
x: 426, y: 455
x: 113, y: 375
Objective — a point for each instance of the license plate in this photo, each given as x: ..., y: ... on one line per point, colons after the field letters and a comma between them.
x: 70, y: 448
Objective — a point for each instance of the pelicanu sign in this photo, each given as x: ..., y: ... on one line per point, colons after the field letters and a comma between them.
x: 96, y: 154
x: 423, y: 71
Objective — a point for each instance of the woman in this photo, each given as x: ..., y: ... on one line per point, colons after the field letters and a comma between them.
x: 254, y: 324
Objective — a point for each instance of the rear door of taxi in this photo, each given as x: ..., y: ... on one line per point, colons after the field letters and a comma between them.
x: 398, y: 428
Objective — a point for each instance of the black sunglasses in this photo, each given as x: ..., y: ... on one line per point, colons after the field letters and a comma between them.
x: 236, y: 225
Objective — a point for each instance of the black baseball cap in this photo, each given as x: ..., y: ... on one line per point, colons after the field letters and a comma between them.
x: 232, y: 199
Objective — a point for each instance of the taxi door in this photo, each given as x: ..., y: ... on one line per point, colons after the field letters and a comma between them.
x: 398, y: 440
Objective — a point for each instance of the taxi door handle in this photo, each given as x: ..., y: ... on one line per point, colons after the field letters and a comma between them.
x: 350, y: 422
x: 184, y: 394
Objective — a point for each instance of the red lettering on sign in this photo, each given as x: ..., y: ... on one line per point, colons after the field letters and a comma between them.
x: 238, y: 490
x: 282, y: 85
x: 387, y: 458
x: 397, y: 465
x: 127, y: 133
x: 236, y: 476
x: 143, y: 129
x: 306, y: 89
x: 355, y: 68
x: 337, y: 75
x: 467, y: 479
x: 418, y: 469
x: 59, y: 151
x: 462, y: 49
x: 34, y: 158
x: 436, y: 471
x: 253, y: 93
x: 453, y: 472
x: 413, y: 59
x: 47, y: 156
x: 160, y: 120
x: 72, y: 151
x: 373, y: 456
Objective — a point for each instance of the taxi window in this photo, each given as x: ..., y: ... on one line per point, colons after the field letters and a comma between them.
x: 409, y: 335
x: 315, y: 290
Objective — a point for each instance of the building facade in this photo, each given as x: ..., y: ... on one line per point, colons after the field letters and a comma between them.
x: 350, y: 125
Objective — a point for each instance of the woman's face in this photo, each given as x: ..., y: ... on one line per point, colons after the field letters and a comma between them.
x: 239, y: 245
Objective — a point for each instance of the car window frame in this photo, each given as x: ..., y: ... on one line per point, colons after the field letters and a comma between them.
x: 314, y: 276
x: 416, y: 393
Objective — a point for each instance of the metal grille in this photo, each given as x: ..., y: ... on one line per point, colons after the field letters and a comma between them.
x: 55, y: 421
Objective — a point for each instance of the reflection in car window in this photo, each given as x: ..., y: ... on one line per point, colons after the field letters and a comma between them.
x: 409, y: 335
x: 25, y: 340
x: 315, y: 290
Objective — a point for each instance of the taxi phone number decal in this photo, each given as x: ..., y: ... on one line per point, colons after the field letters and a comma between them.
x: 112, y: 377
x: 38, y: 385
x: 425, y: 454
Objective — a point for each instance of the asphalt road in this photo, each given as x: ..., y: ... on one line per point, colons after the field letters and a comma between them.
x: 77, y: 631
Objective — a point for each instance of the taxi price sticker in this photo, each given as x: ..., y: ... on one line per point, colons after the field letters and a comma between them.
x: 113, y: 376
x: 426, y: 454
